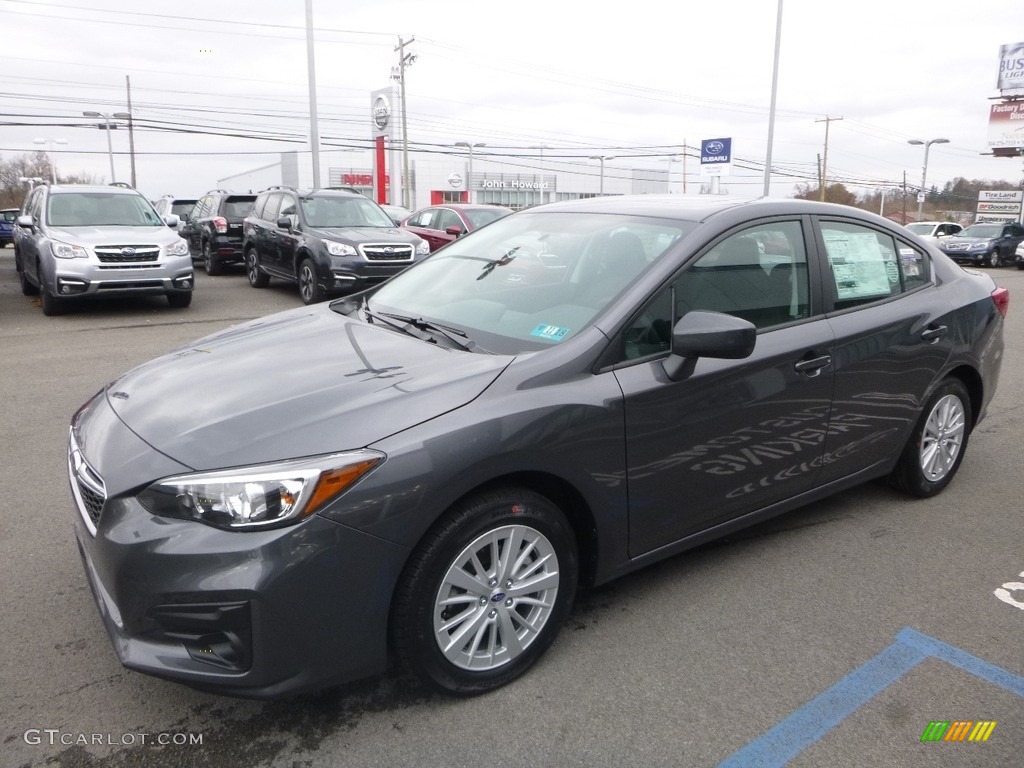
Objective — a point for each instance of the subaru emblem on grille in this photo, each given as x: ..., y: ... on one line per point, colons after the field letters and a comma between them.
x: 389, y: 250
x: 127, y: 251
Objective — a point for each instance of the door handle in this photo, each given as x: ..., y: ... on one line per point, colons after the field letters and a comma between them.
x: 812, y: 366
x: 933, y: 333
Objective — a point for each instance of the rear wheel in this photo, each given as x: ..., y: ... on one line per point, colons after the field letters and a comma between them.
x: 486, y: 592
x: 210, y: 263
x: 257, y: 277
x: 309, y: 288
x: 936, y: 447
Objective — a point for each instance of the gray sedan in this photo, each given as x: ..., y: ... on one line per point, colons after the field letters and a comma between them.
x: 433, y: 466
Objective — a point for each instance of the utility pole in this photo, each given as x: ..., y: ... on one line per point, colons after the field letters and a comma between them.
x: 314, y: 120
x: 824, y: 166
x: 904, y: 198
x: 404, y: 60
x: 131, y: 130
x: 684, y: 166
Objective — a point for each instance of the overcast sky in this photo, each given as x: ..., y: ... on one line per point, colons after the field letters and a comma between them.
x: 626, y: 79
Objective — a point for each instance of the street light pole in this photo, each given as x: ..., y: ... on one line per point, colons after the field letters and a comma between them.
x: 671, y: 159
x: 110, y: 146
x: 53, y: 163
x: 602, y: 158
x: 924, y: 171
x: 541, y: 147
x: 469, y: 181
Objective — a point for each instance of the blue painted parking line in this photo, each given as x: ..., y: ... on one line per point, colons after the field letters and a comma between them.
x: 811, y: 722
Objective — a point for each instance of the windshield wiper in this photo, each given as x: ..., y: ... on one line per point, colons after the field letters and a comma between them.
x: 425, y: 330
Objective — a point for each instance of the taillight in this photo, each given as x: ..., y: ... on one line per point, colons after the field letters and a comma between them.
x: 220, y: 224
x: 1001, y: 298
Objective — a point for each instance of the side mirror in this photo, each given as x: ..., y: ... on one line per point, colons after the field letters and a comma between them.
x: 285, y: 223
x: 454, y: 230
x: 172, y: 220
x: 26, y: 221
x: 708, y: 334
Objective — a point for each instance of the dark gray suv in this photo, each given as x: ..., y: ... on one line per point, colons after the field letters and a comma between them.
x: 330, y: 242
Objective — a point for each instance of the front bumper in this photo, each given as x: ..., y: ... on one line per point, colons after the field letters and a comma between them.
x: 86, y: 278
x: 257, y: 614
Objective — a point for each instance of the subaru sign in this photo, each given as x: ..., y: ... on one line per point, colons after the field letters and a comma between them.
x: 715, y: 157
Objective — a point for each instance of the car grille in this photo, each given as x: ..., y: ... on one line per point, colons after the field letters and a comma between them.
x: 86, y: 486
x: 386, y: 251
x: 953, y: 247
x: 127, y: 254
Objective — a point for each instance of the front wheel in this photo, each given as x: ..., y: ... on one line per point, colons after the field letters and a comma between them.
x: 936, y: 447
x: 179, y: 300
x: 52, y: 305
x: 486, y: 592
x: 309, y: 288
x: 994, y: 259
x: 28, y: 289
x: 257, y: 277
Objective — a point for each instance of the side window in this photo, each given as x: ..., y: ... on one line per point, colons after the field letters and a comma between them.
x: 37, y: 206
x: 423, y: 219
x: 758, y: 274
x: 288, y: 208
x: 273, y: 205
x: 446, y: 218
x: 868, y: 265
x: 257, y: 207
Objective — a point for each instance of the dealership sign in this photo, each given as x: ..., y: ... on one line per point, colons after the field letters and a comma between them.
x: 995, y: 206
x: 1011, y: 70
x: 1006, y: 124
x: 716, y: 157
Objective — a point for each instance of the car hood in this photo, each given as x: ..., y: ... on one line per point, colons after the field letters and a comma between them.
x: 113, y: 235
x: 299, y: 383
x: 369, y: 235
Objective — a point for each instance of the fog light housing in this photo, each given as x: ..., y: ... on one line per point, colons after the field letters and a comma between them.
x: 218, y: 634
x: 184, y: 281
x: 69, y: 287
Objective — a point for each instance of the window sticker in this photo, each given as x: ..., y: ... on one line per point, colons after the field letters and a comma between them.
x: 860, y: 265
x: 549, y: 332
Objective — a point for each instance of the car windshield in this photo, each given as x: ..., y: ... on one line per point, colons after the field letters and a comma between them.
x: 335, y: 212
x: 480, y: 216
x: 530, y: 280
x: 101, y: 209
x: 921, y: 229
x: 982, y: 230
x: 9, y: 215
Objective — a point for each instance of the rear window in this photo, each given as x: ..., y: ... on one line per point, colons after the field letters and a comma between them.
x: 238, y: 207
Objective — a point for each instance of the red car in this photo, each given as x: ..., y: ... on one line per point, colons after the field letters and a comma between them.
x: 440, y: 224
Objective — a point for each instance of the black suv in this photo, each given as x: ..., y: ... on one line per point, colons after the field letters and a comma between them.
x: 214, y: 229
x: 328, y: 241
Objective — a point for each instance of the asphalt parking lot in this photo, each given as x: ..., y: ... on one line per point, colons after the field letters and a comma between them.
x: 831, y: 636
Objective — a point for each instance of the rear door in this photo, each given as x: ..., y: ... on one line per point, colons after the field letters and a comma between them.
x: 894, y: 334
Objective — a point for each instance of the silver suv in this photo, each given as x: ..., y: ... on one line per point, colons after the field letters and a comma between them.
x: 83, y: 241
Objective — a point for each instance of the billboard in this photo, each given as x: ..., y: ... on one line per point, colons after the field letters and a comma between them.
x: 1011, y: 70
x: 716, y: 157
x: 1006, y: 125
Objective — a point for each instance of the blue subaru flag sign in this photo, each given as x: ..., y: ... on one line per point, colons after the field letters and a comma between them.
x: 714, y: 151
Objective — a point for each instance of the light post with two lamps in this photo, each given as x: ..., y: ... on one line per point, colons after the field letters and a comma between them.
x: 469, y: 181
x: 110, y: 146
x: 53, y: 163
x: 924, y: 170
x: 602, y: 158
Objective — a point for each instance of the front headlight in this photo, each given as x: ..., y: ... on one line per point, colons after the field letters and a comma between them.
x: 179, y: 248
x: 983, y: 246
x: 339, y: 249
x: 264, y: 496
x: 68, y: 250
x: 423, y: 248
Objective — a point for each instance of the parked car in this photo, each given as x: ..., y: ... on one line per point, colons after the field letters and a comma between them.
x: 978, y: 244
x: 7, y: 217
x: 433, y: 465
x: 933, y: 231
x: 397, y: 213
x: 329, y: 242
x: 81, y: 241
x: 214, y: 230
x: 182, y: 207
x: 1018, y: 256
x: 441, y: 224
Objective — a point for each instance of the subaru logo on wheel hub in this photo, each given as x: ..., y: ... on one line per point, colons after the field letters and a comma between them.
x: 497, y: 597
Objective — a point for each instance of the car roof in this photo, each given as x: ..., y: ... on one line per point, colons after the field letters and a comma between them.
x: 60, y: 189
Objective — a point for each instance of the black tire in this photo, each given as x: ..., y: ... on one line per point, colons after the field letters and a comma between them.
x: 309, y: 287
x: 27, y: 288
x: 499, y: 637
x: 179, y: 300
x: 994, y: 259
x: 937, y: 445
x: 53, y: 305
x: 210, y: 263
x: 257, y: 277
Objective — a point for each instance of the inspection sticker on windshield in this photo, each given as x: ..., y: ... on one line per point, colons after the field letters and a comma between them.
x: 549, y: 332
